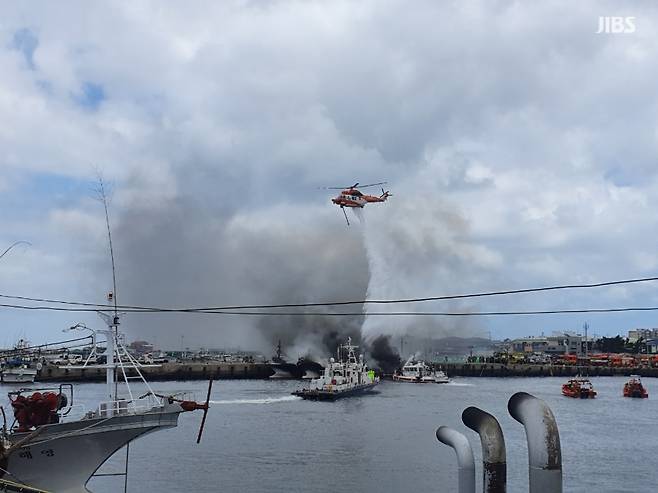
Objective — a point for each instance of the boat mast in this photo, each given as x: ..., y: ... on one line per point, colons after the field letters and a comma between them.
x: 113, y: 331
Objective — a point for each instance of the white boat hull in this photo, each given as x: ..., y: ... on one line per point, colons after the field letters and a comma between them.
x: 18, y: 375
x: 424, y: 379
x: 64, y: 456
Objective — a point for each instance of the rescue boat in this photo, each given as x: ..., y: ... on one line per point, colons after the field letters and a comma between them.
x: 580, y: 388
x: 346, y: 376
x: 634, y: 388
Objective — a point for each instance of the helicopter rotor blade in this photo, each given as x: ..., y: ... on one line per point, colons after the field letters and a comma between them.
x: 356, y: 185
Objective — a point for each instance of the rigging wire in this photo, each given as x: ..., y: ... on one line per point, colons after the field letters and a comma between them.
x: 18, y: 350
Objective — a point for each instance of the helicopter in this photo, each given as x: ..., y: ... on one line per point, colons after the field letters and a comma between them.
x: 352, y: 197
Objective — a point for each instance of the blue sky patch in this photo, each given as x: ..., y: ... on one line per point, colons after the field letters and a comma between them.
x: 91, y: 96
x: 26, y: 42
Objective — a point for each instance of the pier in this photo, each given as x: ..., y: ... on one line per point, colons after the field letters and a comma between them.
x: 166, y: 371
x: 546, y: 370
x: 234, y: 370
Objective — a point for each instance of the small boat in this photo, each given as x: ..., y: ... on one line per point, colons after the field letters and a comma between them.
x: 419, y: 372
x: 281, y: 368
x: 305, y: 368
x: 580, y: 388
x: 18, y: 374
x: 634, y: 388
x: 345, y: 376
x: 17, y: 364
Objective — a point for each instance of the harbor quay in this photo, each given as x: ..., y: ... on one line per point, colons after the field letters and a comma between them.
x: 164, y: 371
x: 529, y: 370
x: 226, y: 370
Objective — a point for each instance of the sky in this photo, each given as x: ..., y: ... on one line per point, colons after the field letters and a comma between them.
x: 519, y: 145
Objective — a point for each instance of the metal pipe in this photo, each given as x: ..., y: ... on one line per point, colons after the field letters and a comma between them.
x: 465, y: 460
x: 544, y: 451
x: 494, y: 463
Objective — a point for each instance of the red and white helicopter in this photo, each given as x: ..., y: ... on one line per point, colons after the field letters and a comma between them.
x: 352, y: 197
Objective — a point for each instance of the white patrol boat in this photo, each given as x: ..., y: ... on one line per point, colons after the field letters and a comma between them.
x: 420, y: 372
x: 346, y: 376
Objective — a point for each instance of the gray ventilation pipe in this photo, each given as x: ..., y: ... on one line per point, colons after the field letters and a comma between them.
x: 544, y: 452
x: 465, y: 460
x: 494, y: 464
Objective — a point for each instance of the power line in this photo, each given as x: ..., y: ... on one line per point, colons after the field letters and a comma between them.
x: 102, y: 307
x: 346, y: 314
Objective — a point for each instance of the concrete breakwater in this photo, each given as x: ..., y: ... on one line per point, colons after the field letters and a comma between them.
x: 167, y: 371
x: 500, y: 370
x: 225, y: 370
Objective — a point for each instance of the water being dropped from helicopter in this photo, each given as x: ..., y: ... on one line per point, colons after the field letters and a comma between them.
x: 359, y: 215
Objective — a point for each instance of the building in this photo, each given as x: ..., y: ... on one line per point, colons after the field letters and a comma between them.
x: 652, y: 346
x: 557, y: 344
x: 635, y: 335
x: 529, y: 345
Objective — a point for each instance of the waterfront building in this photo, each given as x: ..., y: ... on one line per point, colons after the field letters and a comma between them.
x: 635, y: 335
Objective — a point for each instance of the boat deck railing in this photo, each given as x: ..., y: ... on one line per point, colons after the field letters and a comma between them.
x: 112, y: 408
x: 129, y: 406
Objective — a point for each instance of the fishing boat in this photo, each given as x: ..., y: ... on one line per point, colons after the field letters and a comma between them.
x: 344, y: 376
x: 17, y: 372
x: 580, y: 388
x: 57, y: 445
x: 17, y: 364
x: 305, y: 367
x: 280, y: 367
x: 634, y: 388
x: 419, y: 372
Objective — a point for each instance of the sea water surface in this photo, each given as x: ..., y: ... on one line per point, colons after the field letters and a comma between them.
x: 259, y: 438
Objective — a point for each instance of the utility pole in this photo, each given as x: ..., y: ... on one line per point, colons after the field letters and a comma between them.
x: 586, y: 326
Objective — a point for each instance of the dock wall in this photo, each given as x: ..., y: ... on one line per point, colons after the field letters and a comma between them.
x: 166, y: 371
x: 500, y: 370
x: 204, y: 370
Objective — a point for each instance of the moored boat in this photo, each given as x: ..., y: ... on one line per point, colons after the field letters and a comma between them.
x: 345, y: 376
x: 20, y: 373
x: 18, y: 365
x: 580, y: 388
x: 419, y: 372
x: 634, y: 388
x: 57, y: 445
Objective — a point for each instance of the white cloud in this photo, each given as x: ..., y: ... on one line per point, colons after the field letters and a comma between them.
x: 520, y: 146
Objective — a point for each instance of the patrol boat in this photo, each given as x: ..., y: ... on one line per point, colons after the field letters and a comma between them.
x: 344, y: 376
x: 419, y: 372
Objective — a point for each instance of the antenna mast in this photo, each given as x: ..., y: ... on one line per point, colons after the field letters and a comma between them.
x: 103, y: 197
x: 113, y: 332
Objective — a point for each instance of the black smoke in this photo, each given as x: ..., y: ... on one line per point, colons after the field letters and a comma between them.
x: 387, y: 358
x: 194, y: 250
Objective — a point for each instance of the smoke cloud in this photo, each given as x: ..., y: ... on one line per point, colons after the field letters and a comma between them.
x: 193, y: 251
x: 388, y: 359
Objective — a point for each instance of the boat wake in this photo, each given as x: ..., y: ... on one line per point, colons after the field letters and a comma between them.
x: 265, y: 400
x: 458, y: 384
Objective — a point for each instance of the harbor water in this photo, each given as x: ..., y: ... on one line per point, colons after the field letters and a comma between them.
x: 259, y: 438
